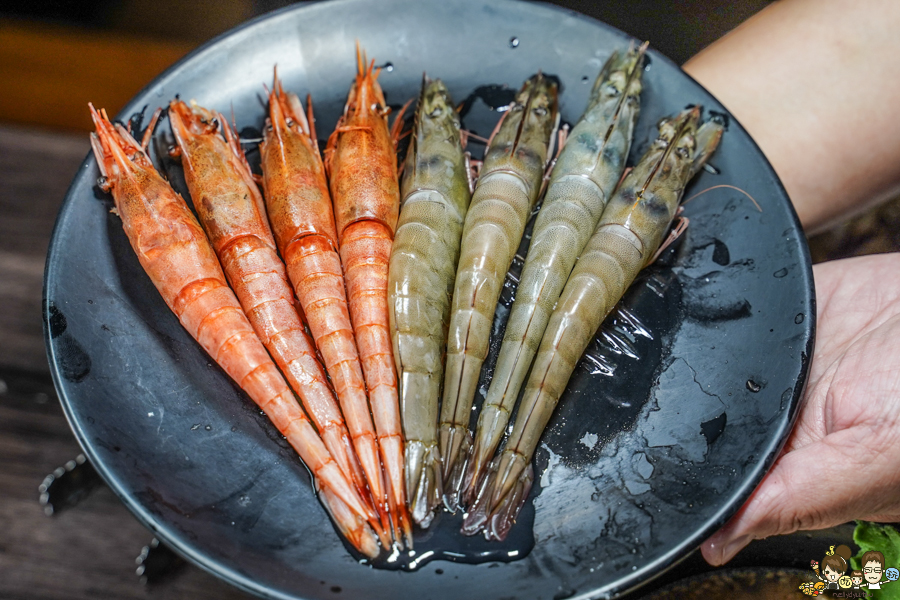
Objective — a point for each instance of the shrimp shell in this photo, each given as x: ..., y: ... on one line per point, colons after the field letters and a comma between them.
x: 303, y: 222
x: 178, y: 258
x: 507, y: 191
x: 436, y: 195
x: 627, y: 236
x: 586, y: 172
x: 362, y: 171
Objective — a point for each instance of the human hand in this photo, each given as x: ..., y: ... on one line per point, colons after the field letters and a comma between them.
x: 840, y: 462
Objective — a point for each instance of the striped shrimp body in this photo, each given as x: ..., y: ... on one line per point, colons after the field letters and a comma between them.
x: 588, y: 168
x: 361, y: 162
x: 181, y: 263
x: 436, y: 195
x: 507, y: 191
x: 299, y: 207
x: 626, y: 239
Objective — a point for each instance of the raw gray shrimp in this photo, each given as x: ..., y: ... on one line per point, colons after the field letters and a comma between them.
x: 435, y: 192
x: 626, y: 240
x: 586, y: 172
x: 507, y: 190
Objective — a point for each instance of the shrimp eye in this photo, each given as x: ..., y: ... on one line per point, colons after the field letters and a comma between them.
x: 540, y: 111
x: 137, y: 156
x: 516, y: 106
x: 269, y: 127
x: 103, y: 183
x: 289, y: 122
x: 682, y: 152
x: 215, y: 124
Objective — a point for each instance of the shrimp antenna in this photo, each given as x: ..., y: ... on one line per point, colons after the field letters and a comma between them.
x: 723, y: 185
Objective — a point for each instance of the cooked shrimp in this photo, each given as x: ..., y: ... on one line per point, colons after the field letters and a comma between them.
x: 232, y: 212
x: 436, y: 195
x: 362, y: 168
x: 181, y: 263
x: 299, y: 207
x: 586, y: 172
x: 626, y: 239
x: 507, y: 190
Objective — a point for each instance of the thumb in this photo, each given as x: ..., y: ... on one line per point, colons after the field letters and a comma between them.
x: 816, y: 486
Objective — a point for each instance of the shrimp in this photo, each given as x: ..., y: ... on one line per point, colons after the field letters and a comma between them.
x: 300, y: 212
x: 181, y: 263
x: 625, y: 240
x: 232, y: 212
x: 507, y: 190
x: 436, y: 195
x: 362, y: 167
x: 586, y: 172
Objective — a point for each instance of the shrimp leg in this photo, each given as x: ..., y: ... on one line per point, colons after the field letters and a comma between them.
x: 436, y: 195
x: 181, y: 263
x: 586, y: 173
x: 631, y: 228
x: 300, y: 212
x: 362, y: 168
x: 506, y: 192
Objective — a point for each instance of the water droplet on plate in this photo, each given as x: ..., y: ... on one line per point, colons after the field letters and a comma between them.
x: 195, y: 427
x: 799, y: 318
x: 753, y: 386
x: 513, y: 42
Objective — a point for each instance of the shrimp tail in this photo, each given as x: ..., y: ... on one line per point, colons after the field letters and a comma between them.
x: 495, y: 517
x: 352, y: 528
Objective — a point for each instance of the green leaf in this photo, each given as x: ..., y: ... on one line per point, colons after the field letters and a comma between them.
x: 885, y: 539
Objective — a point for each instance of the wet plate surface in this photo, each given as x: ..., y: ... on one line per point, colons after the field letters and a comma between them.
x: 668, y: 424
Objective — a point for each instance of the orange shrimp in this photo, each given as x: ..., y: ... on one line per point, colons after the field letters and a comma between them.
x: 181, y: 263
x: 232, y: 211
x: 303, y: 222
x: 362, y: 167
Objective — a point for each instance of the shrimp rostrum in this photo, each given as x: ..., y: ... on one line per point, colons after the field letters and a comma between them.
x: 435, y: 192
x: 626, y: 239
x: 507, y: 191
x: 586, y: 172
x: 181, y: 263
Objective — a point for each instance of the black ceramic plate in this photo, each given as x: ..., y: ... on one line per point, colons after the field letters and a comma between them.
x: 708, y: 353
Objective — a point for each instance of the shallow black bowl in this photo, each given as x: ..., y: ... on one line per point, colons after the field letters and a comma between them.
x: 666, y: 428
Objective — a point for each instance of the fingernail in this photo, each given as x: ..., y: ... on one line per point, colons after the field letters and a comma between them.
x: 734, y: 546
